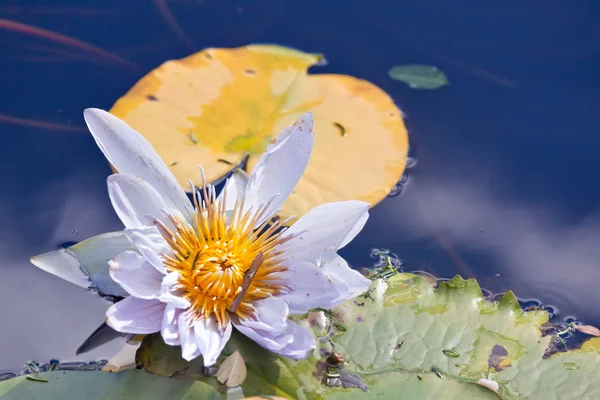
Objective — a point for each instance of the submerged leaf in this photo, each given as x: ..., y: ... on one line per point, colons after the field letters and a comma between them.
x: 232, y: 371
x: 221, y: 104
x: 419, y: 76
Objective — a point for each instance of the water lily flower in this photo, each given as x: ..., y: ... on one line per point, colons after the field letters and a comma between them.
x: 193, y: 269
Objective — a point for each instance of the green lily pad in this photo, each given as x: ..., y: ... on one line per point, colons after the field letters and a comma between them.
x: 131, y: 384
x: 419, y: 76
x: 391, y: 335
x: 402, y: 336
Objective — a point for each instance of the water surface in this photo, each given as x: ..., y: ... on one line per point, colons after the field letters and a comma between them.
x: 505, y: 188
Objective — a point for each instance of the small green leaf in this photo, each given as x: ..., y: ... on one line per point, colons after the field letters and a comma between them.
x: 419, y: 76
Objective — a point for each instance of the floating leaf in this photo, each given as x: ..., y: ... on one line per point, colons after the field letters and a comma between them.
x: 405, y: 308
x: 232, y: 371
x: 495, y: 342
x: 215, y: 106
x: 419, y: 76
x: 125, y: 385
x: 588, y: 329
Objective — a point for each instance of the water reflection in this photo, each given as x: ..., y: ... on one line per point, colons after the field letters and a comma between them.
x: 535, y: 250
x: 45, y: 317
x: 505, y: 189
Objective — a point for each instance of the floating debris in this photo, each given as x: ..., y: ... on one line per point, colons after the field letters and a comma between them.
x: 232, y: 371
x: 450, y: 353
x: 32, y: 368
x: 587, y: 329
x: 341, y: 128
x: 419, y: 76
x: 35, y: 378
x: 193, y: 137
x: 490, y: 384
x: 570, y: 366
x: 387, y: 265
x: 497, y: 357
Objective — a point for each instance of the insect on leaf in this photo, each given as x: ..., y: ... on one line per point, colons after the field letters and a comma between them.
x: 232, y: 371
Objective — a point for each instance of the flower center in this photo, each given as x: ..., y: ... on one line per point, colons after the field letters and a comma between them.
x: 224, y: 263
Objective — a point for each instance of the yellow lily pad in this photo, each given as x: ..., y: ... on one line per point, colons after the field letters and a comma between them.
x: 214, y: 107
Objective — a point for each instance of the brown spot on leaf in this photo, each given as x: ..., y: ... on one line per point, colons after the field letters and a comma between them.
x: 497, y: 357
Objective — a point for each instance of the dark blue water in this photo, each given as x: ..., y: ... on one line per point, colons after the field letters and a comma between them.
x: 505, y: 188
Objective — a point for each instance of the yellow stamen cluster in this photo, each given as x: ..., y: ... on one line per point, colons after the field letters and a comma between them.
x: 213, y: 257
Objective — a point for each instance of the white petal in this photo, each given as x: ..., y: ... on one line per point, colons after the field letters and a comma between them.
x: 273, y: 342
x: 86, y: 263
x: 349, y: 282
x: 170, y: 327
x: 187, y: 337
x: 312, y: 288
x: 131, y: 154
x: 272, y: 315
x: 303, y: 342
x: 170, y: 294
x: 133, y: 315
x: 281, y: 166
x: 210, y: 339
x: 235, y: 187
x: 150, y: 244
x: 136, y: 275
x: 136, y: 202
x: 294, y: 342
x: 327, y: 227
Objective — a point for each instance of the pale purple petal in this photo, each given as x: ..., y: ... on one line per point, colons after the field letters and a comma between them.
x: 136, y: 202
x: 327, y: 227
x: 235, y: 187
x: 187, y: 337
x: 273, y: 342
x: 294, y: 342
x: 150, y: 244
x: 133, y: 315
x: 170, y: 327
x: 272, y: 315
x: 312, y: 287
x: 303, y: 344
x: 211, y: 340
x: 136, y: 275
x: 171, y: 294
x: 349, y: 282
x: 281, y: 166
x: 86, y: 263
x: 130, y: 153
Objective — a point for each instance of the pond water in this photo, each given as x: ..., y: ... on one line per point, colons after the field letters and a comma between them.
x: 504, y: 188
